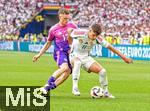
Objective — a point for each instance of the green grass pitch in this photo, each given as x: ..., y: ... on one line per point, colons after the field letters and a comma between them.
x: 130, y: 83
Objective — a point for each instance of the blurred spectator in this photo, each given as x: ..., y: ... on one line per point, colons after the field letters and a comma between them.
x: 123, y: 21
x: 14, y: 13
x: 116, y: 16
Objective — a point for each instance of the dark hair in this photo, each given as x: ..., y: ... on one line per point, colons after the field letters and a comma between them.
x: 96, y: 29
x: 63, y: 11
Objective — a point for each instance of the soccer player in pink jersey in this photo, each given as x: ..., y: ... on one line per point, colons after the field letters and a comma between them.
x: 58, y: 34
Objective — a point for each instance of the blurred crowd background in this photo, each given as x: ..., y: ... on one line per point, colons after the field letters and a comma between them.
x: 123, y: 21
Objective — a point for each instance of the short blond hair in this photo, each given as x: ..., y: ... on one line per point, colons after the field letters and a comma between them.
x: 63, y: 11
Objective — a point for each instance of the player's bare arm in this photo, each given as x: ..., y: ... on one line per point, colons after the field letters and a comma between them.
x: 42, y: 51
x: 127, y: 60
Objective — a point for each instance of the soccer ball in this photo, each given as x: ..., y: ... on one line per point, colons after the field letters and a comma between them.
x: 96, y: 92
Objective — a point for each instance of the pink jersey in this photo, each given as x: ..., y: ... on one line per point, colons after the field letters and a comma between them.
x: 59, y: 34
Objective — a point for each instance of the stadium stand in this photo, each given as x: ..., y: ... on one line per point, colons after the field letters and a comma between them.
x: 124, y: 18
x: 14, y: 13
x: 127, y: 20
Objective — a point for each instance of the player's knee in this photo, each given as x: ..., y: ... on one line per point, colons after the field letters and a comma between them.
x: 102, y: 72
x: 65, y: 68
x: 65, y: 75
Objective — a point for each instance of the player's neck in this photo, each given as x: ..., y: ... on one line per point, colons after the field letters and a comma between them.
x: 61, y: 24
x: 88, y: 36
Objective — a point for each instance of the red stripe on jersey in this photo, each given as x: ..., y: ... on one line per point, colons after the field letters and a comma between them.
x: 78, y: 32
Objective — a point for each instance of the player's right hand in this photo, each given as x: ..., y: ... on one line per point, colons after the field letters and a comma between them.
x: 35, y: 58
x: 128, y: 60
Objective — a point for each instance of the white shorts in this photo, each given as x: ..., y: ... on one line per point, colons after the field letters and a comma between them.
x: 86, y: 62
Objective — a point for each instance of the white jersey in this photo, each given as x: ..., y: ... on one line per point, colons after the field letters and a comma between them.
x: 82, y: 45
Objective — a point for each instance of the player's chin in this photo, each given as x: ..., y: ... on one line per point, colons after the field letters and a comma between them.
x: 65, y: 23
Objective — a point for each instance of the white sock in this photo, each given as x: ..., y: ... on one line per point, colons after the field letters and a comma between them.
x: 76, y: 73
x: 103, y: 80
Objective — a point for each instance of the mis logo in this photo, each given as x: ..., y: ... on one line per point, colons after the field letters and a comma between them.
x: 23, y: 99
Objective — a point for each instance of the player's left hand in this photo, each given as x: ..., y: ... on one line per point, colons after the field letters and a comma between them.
x: 35, y: 58
x: 128, y: 60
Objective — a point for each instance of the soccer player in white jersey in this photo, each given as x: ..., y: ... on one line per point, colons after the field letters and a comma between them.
x: 83, y: 41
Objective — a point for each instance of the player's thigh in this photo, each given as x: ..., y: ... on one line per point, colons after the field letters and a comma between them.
x: 73, y: 59
x: 63, y: 62
x: 95, y: 67
x: 61, y: 57
x: 65, y: 66
x: 87, y: 62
